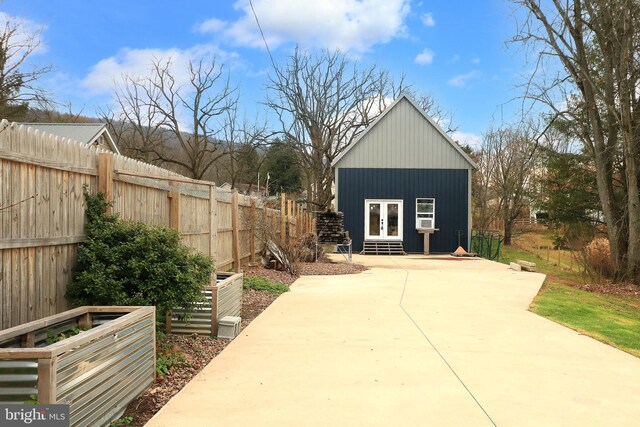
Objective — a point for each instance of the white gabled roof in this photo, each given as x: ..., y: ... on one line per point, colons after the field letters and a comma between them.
x: 424, y: 115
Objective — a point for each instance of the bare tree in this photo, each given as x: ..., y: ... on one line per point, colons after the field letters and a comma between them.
x: 179, y: 124
x: 508, y: 159
x: 134, y: 121
x: 324, y: 101
x: 17, y: 77
x: 242, y: 140
x: 596, y: 44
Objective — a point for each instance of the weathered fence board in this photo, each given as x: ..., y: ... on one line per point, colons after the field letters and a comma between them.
x: 42, y: 215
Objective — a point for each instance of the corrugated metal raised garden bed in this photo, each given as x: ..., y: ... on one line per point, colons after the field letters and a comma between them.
x: 95, y: 359
x: 222, y: 299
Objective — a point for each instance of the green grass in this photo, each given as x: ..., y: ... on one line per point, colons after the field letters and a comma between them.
x: 550, y: 268
x: 612, y: 319
x: 263, y: 284
x: 607, y: 318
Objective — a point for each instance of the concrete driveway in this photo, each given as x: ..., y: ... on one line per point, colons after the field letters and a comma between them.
x: 413, y: 341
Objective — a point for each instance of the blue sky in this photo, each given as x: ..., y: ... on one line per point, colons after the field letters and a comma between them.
x: 454, y: 50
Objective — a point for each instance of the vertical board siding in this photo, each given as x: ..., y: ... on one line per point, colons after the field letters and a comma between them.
x: 403, y: 139
x: 98, y: 379
x: 42, y: 216
x: 448, y: 186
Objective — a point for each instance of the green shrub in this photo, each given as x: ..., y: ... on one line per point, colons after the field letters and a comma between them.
x: 130, y: 263
x: 259, y: 283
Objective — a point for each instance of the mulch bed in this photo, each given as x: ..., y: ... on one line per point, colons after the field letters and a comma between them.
x: 199, y: 350
x: 324, y: 267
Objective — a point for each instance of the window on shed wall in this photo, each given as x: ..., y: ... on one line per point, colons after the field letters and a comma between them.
x: 425, y: 213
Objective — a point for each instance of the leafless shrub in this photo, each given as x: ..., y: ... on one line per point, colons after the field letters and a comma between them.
x: 288, y: 252
x: 598, y: 259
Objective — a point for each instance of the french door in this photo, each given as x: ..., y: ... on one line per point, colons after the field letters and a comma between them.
x: 383, y: 219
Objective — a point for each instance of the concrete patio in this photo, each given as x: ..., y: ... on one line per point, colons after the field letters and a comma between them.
x: 413, y: 341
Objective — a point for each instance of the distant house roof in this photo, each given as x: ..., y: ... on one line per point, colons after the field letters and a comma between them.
x: 85, y: 133
x: 424, y: 115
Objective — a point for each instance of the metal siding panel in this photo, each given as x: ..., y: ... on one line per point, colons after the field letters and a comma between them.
x: 229, y: 304
x: 18, y: 380
x: 449, y: 188
x: 403, y: 139
x: 99, y: 385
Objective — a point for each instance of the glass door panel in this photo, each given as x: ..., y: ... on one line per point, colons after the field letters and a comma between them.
x: 383, y: 220
x: 392, y: 220
x: 374, y: 219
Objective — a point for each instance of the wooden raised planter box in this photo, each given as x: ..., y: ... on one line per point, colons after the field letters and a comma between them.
x: 222, y: 299
x: 97, y: 372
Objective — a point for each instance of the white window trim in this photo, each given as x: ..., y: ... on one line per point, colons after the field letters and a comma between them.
x: 433, y: 217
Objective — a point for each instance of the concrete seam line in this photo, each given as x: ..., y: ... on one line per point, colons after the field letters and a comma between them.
x: 406, y: 279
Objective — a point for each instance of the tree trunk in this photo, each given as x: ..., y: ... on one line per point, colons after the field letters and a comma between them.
x: 508, y: 230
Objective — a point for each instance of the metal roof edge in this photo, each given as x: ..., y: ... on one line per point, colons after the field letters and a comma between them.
x: 424, y: 114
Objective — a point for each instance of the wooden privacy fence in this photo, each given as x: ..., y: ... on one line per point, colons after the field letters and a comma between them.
x: 42, y: 215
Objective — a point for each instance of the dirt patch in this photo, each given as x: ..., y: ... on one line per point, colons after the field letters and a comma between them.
x: 621, y: 289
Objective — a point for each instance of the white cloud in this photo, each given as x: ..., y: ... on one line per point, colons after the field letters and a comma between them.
x: 138, y: 63
x: 212, y: 25
x: 27, y: 32
x: 427, y: 20
x: 475, y: 60
x: 466, y: 138
x: 349, y: 25
x: 425, y: 57
x: 455, y: 58
x: 461, y: 80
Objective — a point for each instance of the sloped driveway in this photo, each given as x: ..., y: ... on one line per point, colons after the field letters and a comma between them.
x: 413, y: 341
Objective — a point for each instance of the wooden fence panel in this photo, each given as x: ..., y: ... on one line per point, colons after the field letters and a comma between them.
x: 42, y: 215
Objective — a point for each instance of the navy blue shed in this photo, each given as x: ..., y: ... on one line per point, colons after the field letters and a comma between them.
x: 402, y: 178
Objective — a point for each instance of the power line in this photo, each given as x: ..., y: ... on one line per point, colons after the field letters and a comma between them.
x: 266, y: 45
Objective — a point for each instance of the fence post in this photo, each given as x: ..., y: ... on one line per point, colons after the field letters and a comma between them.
x: 174, y: 207
x: 213, y: 229
x: 47, y: 380
x: 254, y: 221
x: 105, y: 176
x: 235, y: 225
x: 290, y: 218
x: 283, y: 219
